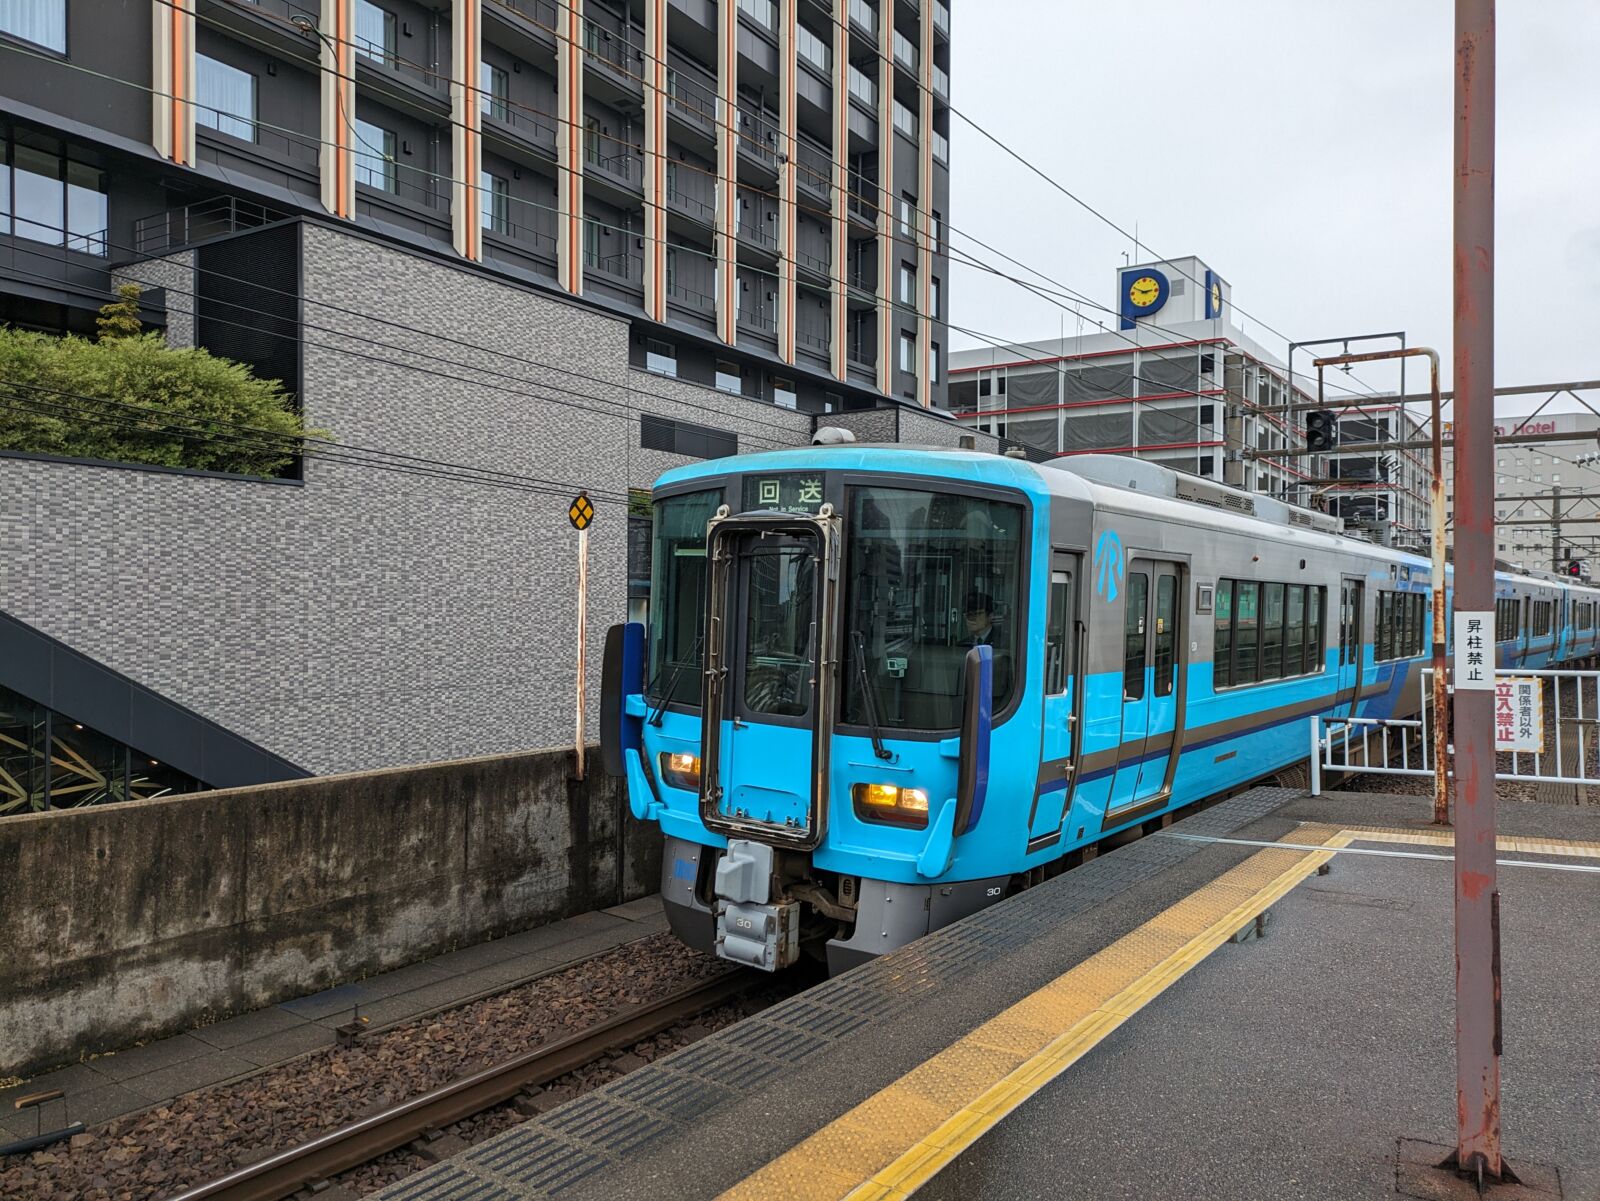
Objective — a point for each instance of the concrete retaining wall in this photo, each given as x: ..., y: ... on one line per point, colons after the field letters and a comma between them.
x: 122, y: 922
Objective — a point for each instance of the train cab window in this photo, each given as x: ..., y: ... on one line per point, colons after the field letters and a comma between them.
x: 1134, y: 637
x: 678, y: 596
x: 1246, y: 630
x: 1165, y: 633
x: 1058, y: 634
x: 780, y: 619
x: 929, y: 576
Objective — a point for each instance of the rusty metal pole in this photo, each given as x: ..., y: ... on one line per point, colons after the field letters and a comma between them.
x: 1436, y: 549
x: 1477, y: 901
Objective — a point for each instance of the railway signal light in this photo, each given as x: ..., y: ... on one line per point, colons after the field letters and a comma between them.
x: 1319, y: 430
x: 1575, y: 568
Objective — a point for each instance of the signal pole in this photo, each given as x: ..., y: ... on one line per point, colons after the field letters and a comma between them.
x: 1555, y: 528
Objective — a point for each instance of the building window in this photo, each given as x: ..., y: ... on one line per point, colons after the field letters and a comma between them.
x: 494, y: 91
x: 933, y: 299
x: 375, y: 32
x: 908, y: 208
x: 783, y: 393
x: 496, y: 199
x: 728, y: 377
x: 672, y: 270
x: 905, y: 120
x: 933, y: 362
x: 661, y: 357
x: 42, y: 22
x: 591, y: 242
x: 812, y: 48
x: 374, y: 156
x: 47, y: 198
x: 908, y: 353
x: 908, y: 284
x: 935, y: 228
x: 685, y: 438
x: 225, y: 98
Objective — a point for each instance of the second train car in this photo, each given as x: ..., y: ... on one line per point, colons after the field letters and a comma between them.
x: 882, y: 687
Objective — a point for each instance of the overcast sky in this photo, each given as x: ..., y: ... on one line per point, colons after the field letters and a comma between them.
x: 1303, y: 151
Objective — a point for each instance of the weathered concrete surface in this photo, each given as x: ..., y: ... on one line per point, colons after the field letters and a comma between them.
x: 121, y: 922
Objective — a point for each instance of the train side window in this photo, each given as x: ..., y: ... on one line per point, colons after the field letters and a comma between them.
x: 1246, y: 630
x: 1166, y: 632
x: 1383, y: 635
x: 1272, y: 631
x: 1058, y: 633
x: 1294, y: 630
x: 1222, y: 648
x: 1133, y: 637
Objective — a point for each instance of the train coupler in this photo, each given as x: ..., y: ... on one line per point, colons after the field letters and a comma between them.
x: 752, y: 929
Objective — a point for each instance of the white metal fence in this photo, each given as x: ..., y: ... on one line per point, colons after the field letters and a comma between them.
x: 1547, y: 731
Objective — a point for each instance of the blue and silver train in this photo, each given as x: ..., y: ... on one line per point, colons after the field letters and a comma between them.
x: 882, y: 687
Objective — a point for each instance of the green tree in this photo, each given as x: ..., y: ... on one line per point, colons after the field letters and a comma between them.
x: 131, y: 398
x: 120, y: 318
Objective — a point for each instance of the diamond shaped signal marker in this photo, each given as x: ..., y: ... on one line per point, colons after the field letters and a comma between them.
x: 580, y: 512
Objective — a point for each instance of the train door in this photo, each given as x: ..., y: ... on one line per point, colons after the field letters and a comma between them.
x: 1150, y: 691
x: 1060, y: 722
x: 1351, y: 638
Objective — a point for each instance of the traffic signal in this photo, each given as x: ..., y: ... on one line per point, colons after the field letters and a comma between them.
x: 1575, y: 568
x: 1319, y: 430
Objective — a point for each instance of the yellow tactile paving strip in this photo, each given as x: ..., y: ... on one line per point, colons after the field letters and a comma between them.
x: 1506, y: 842
x: 898, y: 1139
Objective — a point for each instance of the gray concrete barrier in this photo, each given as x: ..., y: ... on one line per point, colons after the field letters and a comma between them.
x: 123, y: 922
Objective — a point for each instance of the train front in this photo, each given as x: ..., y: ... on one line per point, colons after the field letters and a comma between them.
x: 816, y: 710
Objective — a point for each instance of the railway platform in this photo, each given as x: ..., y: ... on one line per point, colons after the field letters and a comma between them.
x: 1256, y: 1002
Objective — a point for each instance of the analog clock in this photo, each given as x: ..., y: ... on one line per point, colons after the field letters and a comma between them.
x: 1144, y: 291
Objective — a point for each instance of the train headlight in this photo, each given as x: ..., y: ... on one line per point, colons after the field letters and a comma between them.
x: 891, y: 803
x: 681, y: 770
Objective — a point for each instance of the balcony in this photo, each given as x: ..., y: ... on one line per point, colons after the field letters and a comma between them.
x: 818, y: 342
x: 690, y: 206
x: 864, y: 16
x: 758, y: 317
x: 758, y: 233
x: 614, y: 52
x: 904, y: 52
x: 758, y: 138
x: 161, y: 233
x: 540, y: 12
x: 623, y: 167
x: 763, y: 12
x: 813, y: 49
x: 689, y: 298
x: 695, y: 102
x: 863, y: 88
x: 941, y: 17
x: 905, y: 121
x: 533, y: 128
x: 941, y: 82
x: 814, y: 170
x: 621, y: 265
x: 525, y: 238
x: 816, y: 264
x: 941, y: 148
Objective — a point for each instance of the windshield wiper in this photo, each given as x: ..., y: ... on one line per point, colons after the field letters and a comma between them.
x: 870, y: 695
x: 672, y: 683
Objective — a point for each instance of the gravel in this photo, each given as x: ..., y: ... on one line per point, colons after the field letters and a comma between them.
x: 202, y: 1135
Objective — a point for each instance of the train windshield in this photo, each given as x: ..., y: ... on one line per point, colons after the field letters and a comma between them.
x: 678, y: 596
x: 930, y: 575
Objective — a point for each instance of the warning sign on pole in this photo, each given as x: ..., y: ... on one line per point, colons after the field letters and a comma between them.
x: 1518, y: 714
x: 1474, y: 667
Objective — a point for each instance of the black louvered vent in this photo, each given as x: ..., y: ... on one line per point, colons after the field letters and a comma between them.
x: 247, y: 301
x: 685, y: 438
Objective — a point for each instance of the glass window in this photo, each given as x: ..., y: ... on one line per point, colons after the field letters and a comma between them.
x: 930, y: 575
x: 1222, y: 648
x: 1058, y: 634
x: 661, y: 357
x: 812, y: 48
x: 783, y: 393
x: 86, y: 209
x: 678, y: 596
x: 375, y: 31
x: 1271, y: 631
x: 1133, y: 635
x: 37, y: 195
x: 1246, y: 630
x: 1313, y: 659
x: 779, y: 620
x: 908, y: 208
x: 933, y: 298
x: 495, y: 194
x: 933, y: 363
x: 1294, y: 630
x: 908, y: 353
x: 908, y: 284
x: 494, y: 90
x: 225, y: 98
x: 729, y: 378
x: 42, y: 22
x: 374, y: 156
x: 1166, y: 633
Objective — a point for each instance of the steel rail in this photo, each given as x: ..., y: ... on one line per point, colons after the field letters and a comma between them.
x: 352, y: 1145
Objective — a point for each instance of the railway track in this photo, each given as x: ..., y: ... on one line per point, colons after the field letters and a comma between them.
x: 357, y: 1143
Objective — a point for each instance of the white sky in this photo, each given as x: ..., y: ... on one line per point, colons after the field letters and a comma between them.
x: 1303, y: 151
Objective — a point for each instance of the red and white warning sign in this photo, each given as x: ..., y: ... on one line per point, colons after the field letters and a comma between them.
x: 1518, y: 714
